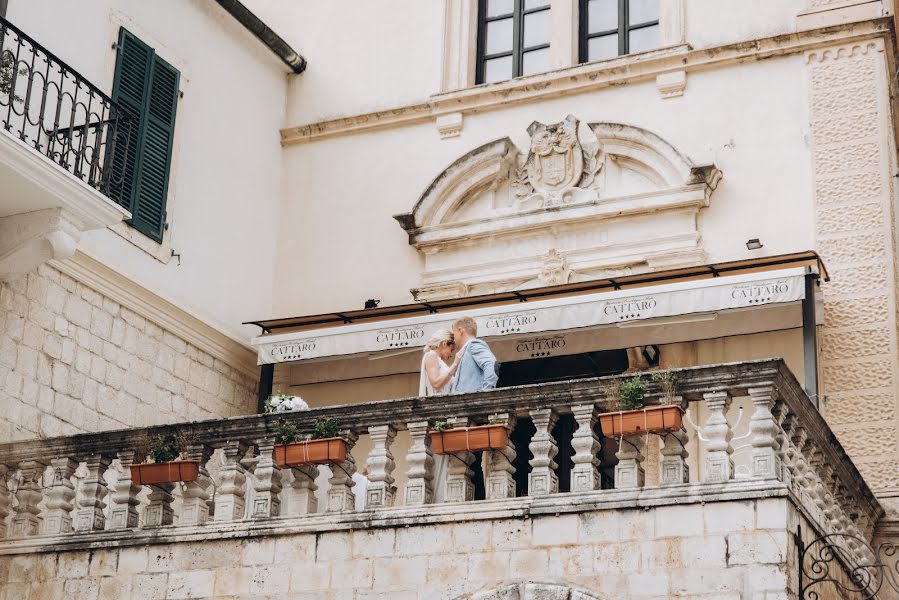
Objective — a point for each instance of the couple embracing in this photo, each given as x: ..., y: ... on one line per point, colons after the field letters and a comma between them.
x: 456, y: 361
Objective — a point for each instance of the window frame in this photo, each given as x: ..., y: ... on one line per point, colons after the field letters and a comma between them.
x: 517, y: 53
x: 623, y: 30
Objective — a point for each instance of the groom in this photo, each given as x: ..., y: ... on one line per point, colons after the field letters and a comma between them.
x: 477, y: 371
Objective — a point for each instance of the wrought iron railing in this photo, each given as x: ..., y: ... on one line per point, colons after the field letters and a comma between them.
x: 52, y: 108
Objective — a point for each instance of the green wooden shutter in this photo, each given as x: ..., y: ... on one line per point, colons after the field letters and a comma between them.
x: 147, y: 87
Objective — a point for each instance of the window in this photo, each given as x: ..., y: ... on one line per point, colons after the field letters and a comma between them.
x: 146, y: 88
x: 611, y: 28
x: 513, y: 39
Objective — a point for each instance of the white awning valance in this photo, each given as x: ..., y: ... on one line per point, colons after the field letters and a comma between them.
x: 537, y: 316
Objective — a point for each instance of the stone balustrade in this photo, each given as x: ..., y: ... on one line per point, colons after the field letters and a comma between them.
x: 748, y: 426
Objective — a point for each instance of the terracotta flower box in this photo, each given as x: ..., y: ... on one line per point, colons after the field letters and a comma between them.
x: 655, y: 419
x: 469, y: 439
x: 318, y: 452
x: 165, y: 472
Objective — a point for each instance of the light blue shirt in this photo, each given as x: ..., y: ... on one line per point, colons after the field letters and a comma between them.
x: 477, y: 371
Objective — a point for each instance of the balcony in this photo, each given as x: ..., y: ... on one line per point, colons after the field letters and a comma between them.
x: 720, y: 504
x: 62, y: 149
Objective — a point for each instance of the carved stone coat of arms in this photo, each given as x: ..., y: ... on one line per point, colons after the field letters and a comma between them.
x: 557, y: 165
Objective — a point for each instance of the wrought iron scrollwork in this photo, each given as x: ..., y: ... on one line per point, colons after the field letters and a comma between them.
x: 56, y: 111
x: 845, y: 566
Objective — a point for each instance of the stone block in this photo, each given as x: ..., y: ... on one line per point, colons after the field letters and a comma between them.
x: 104, y: 562
x: 703, y: 552
x: 32, y: 567
x: 61, y: 326
x: 471, y: 537
x: 295, y: 549
x: 55, y: 589
x: 351, y: 574
x: 52, y: 345
x: 555, y: 531
x: 132, y: 560
x: 56, y: 298
x: 423, y: 540
x: 114, y: 588
x: 83, y: 589
x: 8, y: 352
x: 26, y: 362
x: 712, y: 583
x: 371, y: 543
x: 767, y: 578
x: 32, y: 336
x: 489, y: 566
x: 162, y: 559
x: 83, y: 361
x: 636, y: 524
x: 78, y: 311
x: 101, y: 323
x: 209, y: 555
x: 757, y: 547
x: 528, y: 564
x: 68, y: 352
x: 269, y: 580
x: 445, y: 569
x: 568, y: 562
x: 310, y: 576
x: 616, y: 558
x: 408, y: 571
x: 258, y: 552
x: 512, y: 534
x: 771, y: 514
x: 190, y: 584
x: 149, y: 587
x: 648, y: 585
x: 684, y: 520
x: 334, y: 546
x: 726, y: 517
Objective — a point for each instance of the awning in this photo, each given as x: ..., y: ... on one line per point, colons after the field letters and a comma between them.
x: 706, y: 289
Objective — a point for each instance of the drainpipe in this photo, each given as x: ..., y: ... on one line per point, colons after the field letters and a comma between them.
x: 262, y: 31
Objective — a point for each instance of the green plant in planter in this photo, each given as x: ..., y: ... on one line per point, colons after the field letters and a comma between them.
x: 164, y: 448
x: 441, y: 426
x: 632, y: 392
x: 324, y: 428
x: 497, y: 421
x: 667, y: 385
x: 286, y: 432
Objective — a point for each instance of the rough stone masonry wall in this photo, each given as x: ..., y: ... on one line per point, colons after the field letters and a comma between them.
x: 74, y: 361
x: 851, y: 140
x: 724, y: 550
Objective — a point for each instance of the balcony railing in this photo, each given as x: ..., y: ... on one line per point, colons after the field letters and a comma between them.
x: 757, y: 432
x: 52, y: 108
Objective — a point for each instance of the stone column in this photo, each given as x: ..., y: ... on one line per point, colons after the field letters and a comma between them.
x: 26, y: 520
x: 542, y: 480
x: 91, y: 496
x: 499, y: 481
x: 340, y: 496
x: 673, y: 469
x: 380, y: 491
x: 159, y: 508
x: 304, y: 501
x: 195, y: 495
x: 123, y: 499
x: 267, y: 502
x: 420, y: 472
x: 58, y: 498
x: 719, y: 466
x: 585, y: 473
x: 459, y: 487
x: 231, y: 494
x: 629, y: 472
x: 5, y: 500
x: 765, y: 461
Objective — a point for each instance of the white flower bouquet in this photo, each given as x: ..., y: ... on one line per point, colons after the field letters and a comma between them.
x: 279, y: 403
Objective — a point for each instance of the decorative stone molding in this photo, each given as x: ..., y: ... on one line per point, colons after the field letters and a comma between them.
x: 449, y: 125
x: 531, y: 590
x: 673, y: 84
x: 31, y: 239
x: 821, y: 13
x: 581, y: 200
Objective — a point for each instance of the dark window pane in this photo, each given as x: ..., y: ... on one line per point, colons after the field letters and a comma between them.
x: 644, y: 39
x: 529, y: 4
x: 600, y: 48
x: 499, y: 36
x: 498, y: 69
x: 642, y: 11
x: 499, y: 7
x: 535, y: 61
x: 537, y: 28
x: 602, y: 15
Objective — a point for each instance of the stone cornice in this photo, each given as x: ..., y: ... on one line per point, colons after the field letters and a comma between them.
x: 159, y: 311
x: 586, y: 78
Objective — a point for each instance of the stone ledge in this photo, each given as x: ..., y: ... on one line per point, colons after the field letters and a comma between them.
x: 524, y: 508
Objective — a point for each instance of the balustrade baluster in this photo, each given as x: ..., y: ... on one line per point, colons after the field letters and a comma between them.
x: 420, y: 472
x: 340, y: 495
x: 585, y: 442
x: 91, y: 495
x: 764, y: 429
x: 799, y: 462
x: 159, y: 510
x: 380, y: 491
x: 673, y: 469
x: 542, y: 480
x: 230, y: 498
x: 5, y: 500
x: 719, y: 466
x: 629, y: 472
x: 26, y: 520
x: 304, y: 486
x: 267, y: 502
x: 500, y: 482
x: 123, y: 500
x: 195, y: 497
x: 785, y: 450
x: 58, y: 504
x: 459, y: 487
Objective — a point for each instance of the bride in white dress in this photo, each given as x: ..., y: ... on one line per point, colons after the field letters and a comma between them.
x: 437, y: 380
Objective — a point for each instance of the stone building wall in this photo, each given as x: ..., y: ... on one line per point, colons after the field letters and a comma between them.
x: 72, y: 360
x: 725, y: 550
x: 853, y: 160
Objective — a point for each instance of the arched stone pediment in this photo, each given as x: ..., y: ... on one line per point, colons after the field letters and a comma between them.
x: 530, y: 591
x: 584, y: 201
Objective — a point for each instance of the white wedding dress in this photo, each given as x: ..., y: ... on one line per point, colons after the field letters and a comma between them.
x: 441, y: 461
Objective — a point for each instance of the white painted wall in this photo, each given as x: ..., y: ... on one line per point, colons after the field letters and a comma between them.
x: 225, y: 181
